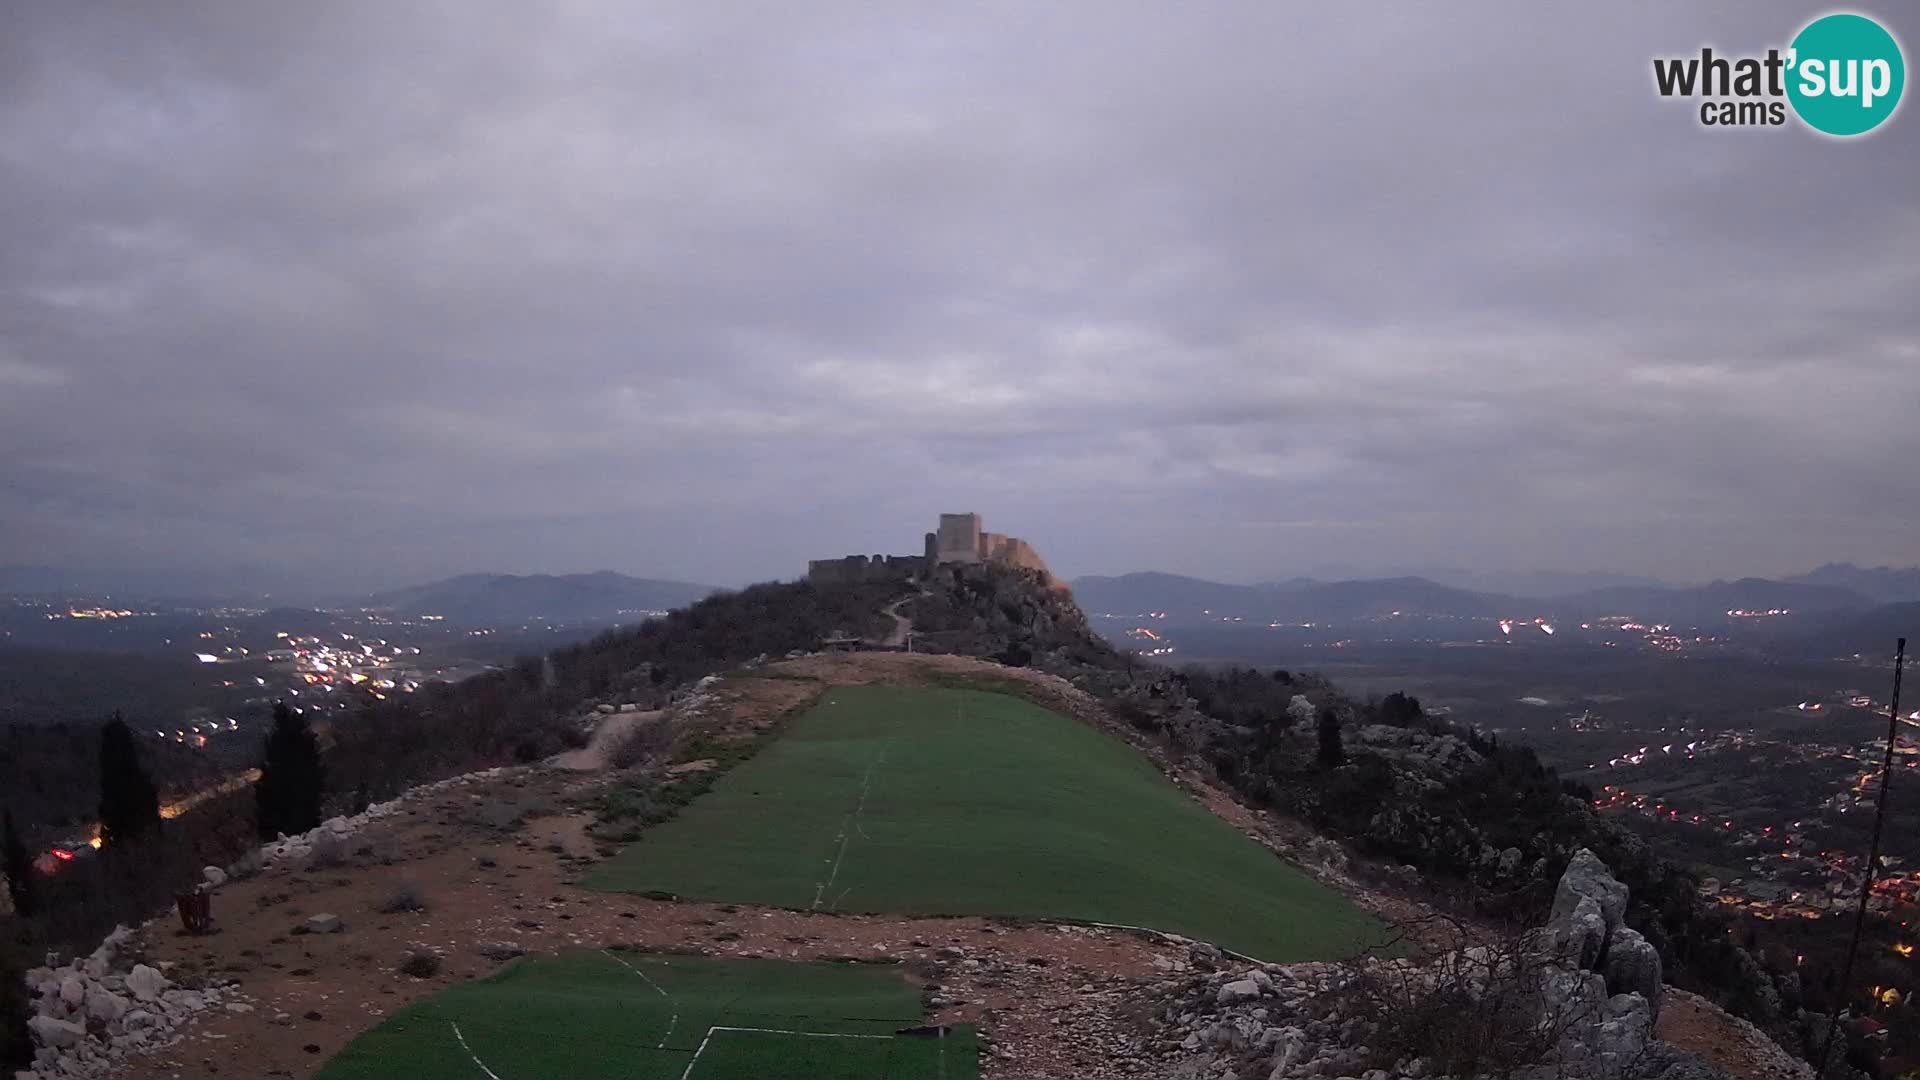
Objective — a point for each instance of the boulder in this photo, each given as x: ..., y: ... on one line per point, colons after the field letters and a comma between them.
x: 1632, y: 966
x: 104, y: 1005
x: 1580, y: 936
x: 1570, y: 996
x: 1628, y: 1026
x: 138, y: 1019
x: 73, y: 990
x: 56, y: 1033
x: 1509, y: 861
x: 1587, y: 876
x: 1237, y: 991
x: 323, y: 923
x: 213, y: 876
x: 145, y: 983
x: 498, y: 951
x: 1203, y: 957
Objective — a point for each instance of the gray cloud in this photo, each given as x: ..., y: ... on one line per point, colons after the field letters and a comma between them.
x: 365, y: 292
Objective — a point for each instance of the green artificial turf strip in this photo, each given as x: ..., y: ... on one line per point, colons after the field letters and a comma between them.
x: 957, y: 802
x: 587, y: 1014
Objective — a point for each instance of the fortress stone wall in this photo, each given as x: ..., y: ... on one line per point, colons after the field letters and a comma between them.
x: 959, y: 539
x: 858, y: 569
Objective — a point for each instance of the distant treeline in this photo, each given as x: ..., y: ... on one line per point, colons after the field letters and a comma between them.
x: 50, y: 774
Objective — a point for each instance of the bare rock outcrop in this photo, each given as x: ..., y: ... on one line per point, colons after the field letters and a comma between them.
x: 1574, y: 1000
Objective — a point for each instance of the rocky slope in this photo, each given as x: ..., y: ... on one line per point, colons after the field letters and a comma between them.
x: 1575, y: 998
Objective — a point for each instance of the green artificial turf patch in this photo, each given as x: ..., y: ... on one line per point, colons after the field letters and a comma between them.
x: 958, y: 802
x: 637, y: 1016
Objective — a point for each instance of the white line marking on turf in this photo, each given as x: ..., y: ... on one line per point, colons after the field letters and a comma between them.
x: 471, y: 1054
x: 866, y: 785
x: 763, y: 1031
x: 656, y: 989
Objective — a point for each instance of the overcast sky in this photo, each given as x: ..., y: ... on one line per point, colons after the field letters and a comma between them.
x: 359, y: 294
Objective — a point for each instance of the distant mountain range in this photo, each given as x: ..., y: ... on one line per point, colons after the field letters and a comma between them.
x: 1187, y: 599
x: 1881, y: 584
x: 503, y: 598
x: 1534, y: 583
x: 1707, y: 603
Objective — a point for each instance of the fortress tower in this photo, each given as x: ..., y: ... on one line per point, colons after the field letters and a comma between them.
x: 959, y: 539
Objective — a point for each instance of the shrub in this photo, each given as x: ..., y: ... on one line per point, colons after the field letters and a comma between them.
x: 642, y: 742
x: 421, y: 963
x: 406, y: 898
x: 246, y: 866
x: 1472, y: 1010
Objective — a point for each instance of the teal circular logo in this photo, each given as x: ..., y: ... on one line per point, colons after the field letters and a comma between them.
x: 1845, y: 74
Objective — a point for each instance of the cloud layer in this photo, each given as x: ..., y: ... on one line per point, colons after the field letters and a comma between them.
x: 360, y: 293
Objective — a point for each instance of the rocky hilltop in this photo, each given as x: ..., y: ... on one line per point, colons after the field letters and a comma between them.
x: 1535, y: 941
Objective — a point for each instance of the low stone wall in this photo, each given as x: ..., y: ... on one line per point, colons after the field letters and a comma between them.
x: 861, y: 569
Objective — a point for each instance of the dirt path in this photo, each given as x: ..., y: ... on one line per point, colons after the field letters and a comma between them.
x: 902, y: 626
x: 1694, y: 1024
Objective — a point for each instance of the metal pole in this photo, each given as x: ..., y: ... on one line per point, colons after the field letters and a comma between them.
x: 1873, y: 853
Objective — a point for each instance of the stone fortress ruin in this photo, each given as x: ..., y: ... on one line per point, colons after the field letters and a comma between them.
x: 959, y: 540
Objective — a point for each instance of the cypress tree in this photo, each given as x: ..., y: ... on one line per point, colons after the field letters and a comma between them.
x: 129, y: 803
x: 1333, y: 751
x: 19, y: 870
x: 16, y: 1038
x: 292, y: 781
